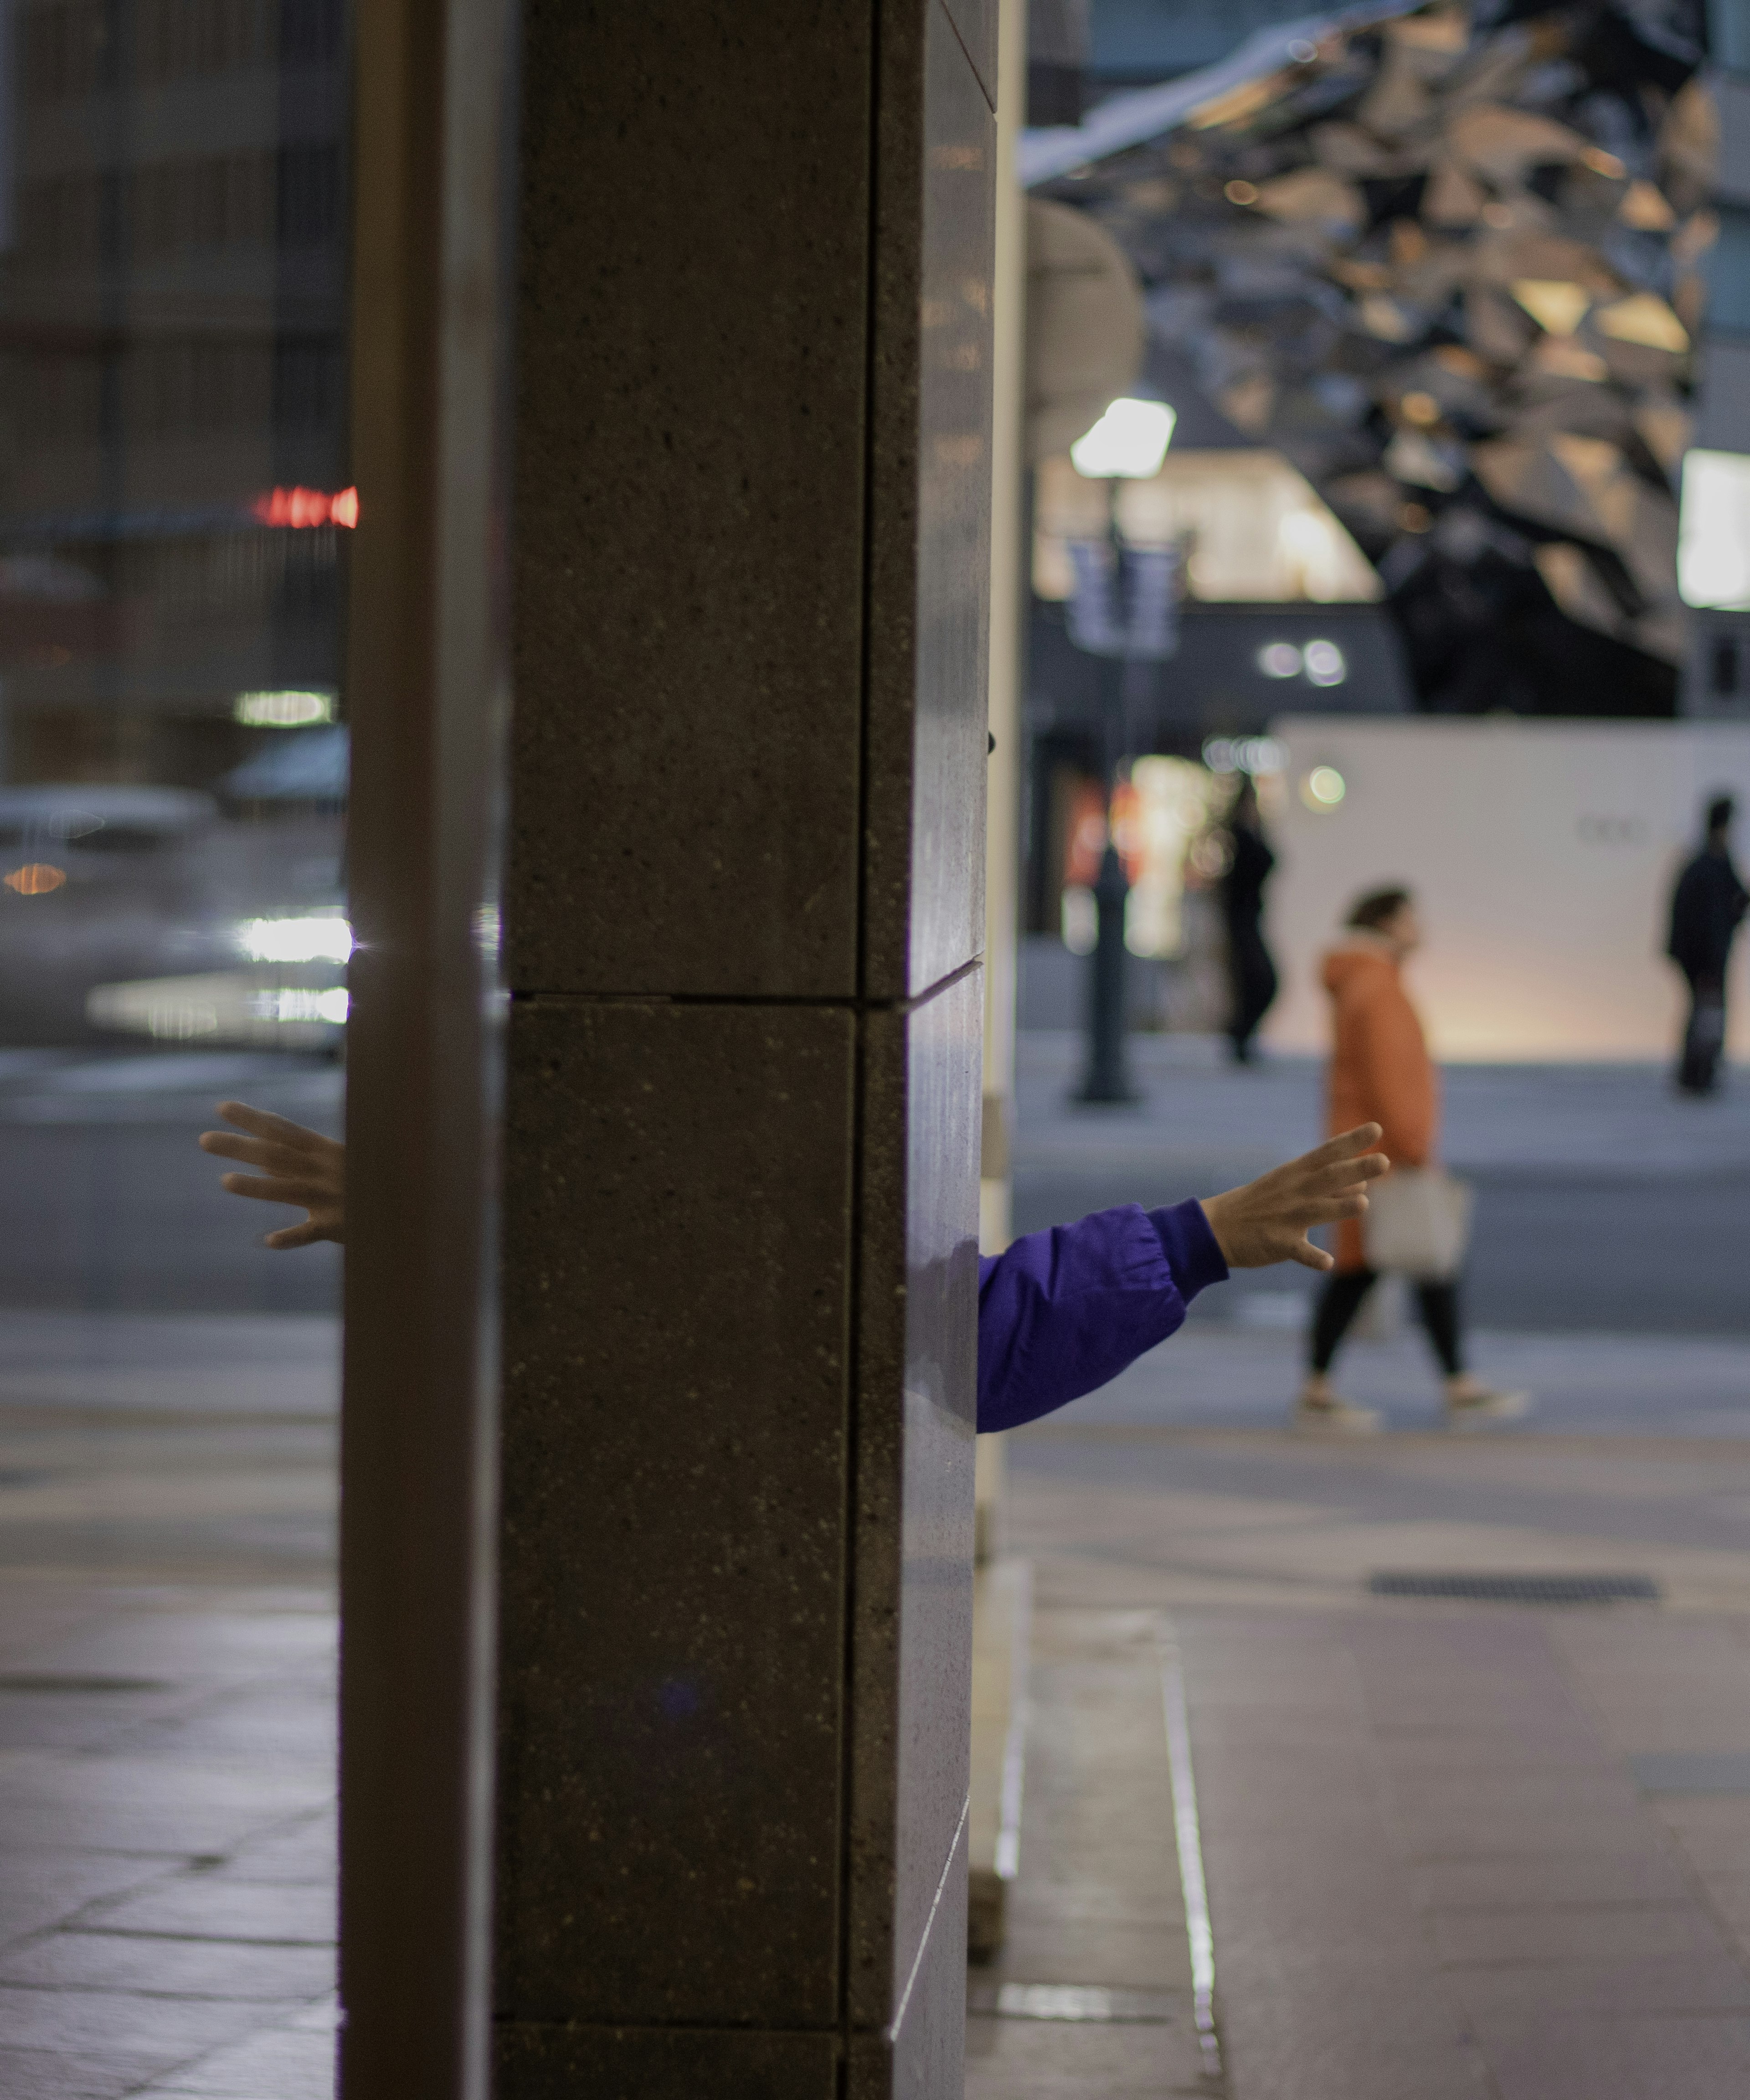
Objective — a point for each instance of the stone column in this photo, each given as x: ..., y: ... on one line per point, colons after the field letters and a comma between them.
x: 743, y: 917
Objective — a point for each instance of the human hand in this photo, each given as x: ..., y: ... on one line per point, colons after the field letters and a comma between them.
x: 1267, y: 1220
x: 298, y: 1167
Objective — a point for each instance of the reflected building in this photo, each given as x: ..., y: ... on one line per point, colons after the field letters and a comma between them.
x: 172, y: 441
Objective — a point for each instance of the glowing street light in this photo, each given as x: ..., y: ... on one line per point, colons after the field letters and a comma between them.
x: 1128, y: 442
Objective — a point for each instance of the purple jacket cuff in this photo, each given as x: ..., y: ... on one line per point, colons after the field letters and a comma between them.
x: 1063, y: 1312
x: 1190, y: 1247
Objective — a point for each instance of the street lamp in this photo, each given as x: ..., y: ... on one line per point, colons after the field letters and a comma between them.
x: 1123, y: 610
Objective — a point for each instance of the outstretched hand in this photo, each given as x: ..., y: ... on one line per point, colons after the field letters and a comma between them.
x: 298, y: 1167
x: 1267, y: 1219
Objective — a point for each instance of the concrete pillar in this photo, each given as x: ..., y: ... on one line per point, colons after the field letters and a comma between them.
x: 743, y: 921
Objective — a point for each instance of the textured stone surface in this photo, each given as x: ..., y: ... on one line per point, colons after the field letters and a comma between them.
x: 676, y: 1290
x: 536, y: 2062
x: 975, y: 23
x: 917, y: 1352
x: 1430, y: 1870
x: 692, y: 351
x: 929, y: 551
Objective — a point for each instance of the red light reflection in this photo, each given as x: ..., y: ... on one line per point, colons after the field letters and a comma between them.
x: 301, y: 507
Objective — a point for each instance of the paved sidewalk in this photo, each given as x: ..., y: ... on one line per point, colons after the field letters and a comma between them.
x: 1453, y: 1849
x: 1605, y: 1203
x: 1093, y: 1992
x: 1215, y: 1377
x: 167, y: 1709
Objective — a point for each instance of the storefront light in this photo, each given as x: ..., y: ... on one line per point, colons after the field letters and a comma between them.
x: 1279, y: 660
x: 324, y: 939
x: 289, y: 1003
x: 293, y: 709
x: 1713, y: 531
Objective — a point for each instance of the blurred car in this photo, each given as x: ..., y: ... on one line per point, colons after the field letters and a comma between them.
x: 173, y: 914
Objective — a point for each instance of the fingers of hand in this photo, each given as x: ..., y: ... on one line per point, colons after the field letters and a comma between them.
x: 277, y: 1189
x: 1350, y: 1144
x: 255, y: 1151
x: 294, y: 1236
x: 262, y: 1123
x: 1311, y: 1257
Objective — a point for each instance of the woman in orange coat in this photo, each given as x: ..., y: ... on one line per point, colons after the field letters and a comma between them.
x: 1380, y: 1072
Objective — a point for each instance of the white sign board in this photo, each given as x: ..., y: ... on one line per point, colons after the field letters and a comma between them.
x: 1542, y: 854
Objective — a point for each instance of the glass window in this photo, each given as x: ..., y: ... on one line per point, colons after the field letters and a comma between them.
x: 174, y: 513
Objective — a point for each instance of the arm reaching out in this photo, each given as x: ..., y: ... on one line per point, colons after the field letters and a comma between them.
x: 298, y: 1167
x: 1061, y: 1311
x: 1268, y: 1221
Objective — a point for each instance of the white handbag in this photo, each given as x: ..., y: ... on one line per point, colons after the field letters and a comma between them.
x: 1417, y: 1223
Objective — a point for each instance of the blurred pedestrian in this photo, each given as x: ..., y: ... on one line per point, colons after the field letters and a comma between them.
x: 1380, y: 1072
x: 1251, y: 974
x: 1706, y: 907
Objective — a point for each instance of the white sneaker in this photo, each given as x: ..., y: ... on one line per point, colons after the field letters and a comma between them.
x: 1483, y: 1403
x: 1325, y: 1413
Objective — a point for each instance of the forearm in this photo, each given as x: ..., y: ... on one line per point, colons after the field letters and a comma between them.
x: 1063, y: 1312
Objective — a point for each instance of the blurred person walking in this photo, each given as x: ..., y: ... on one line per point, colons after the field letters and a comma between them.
x: 1251, y: 974
x: 1706, y: 908
x: 1380, y: 1072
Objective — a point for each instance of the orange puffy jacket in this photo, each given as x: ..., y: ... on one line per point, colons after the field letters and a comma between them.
x: 1381, y: 1071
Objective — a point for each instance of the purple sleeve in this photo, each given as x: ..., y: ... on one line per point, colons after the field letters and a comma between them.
x: 1063, y: 1312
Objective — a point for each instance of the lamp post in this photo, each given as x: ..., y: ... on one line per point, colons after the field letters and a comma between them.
x: 1123, y: 610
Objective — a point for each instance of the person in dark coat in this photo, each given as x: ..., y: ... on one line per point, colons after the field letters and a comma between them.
x: 1706, y: 908
x: 1251, y: 974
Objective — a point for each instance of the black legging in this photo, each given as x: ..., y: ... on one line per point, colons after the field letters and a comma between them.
x: 1252, y: 983
x: 1341, y: 1300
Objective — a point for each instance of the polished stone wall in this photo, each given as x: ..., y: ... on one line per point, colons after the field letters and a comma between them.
x: 742, y: 923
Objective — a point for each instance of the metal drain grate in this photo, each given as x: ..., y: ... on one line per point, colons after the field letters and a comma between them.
x: 1519, y: 1589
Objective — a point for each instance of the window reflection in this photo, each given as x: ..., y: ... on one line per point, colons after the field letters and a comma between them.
x: 174, y: 511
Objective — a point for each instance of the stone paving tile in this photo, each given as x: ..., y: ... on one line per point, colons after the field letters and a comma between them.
x: 30, y: 2074
x: 184, y: 1968
x: 1643, y: 1932
x: 205, y: 1907
x: 281, y: 1722
x: 1097, y: 1898
x: 285, y: 2064
x: 38, y: 1889
x: 78, y: 1719
x: 280, y: 1786
x: 1523, y: 1833
x: 1650, y: 1876
x: 1121, y: 1958
x: 1070, y: 1899
x: 197, y: 1646
x: 1404, y: 1752
x: 1694, y: 1982
x: 307, y: 1850
x: 1009, y: 2059
x: 1352, y: 2040
x: 1556, y: 2057
x: 164, y: 2031
x: 1728, y: 1892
